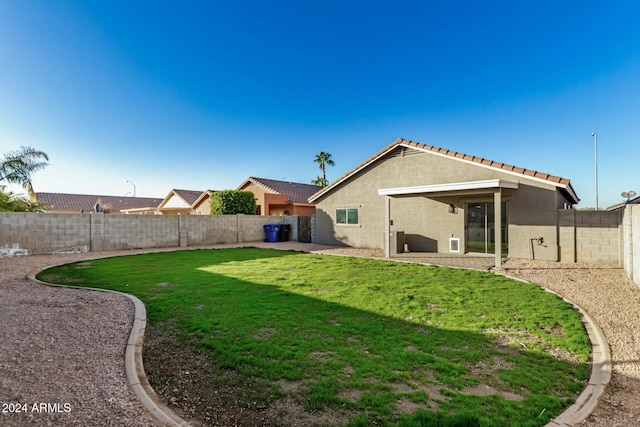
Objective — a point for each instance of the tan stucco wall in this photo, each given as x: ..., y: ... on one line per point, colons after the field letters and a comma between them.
x: 303, y: 210
x: 427, y: 222
x: 204, y: 207
x: 259, y: 193
x: 276, y: 204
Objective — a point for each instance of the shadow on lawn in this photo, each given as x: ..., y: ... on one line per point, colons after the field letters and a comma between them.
x: 223, y: 350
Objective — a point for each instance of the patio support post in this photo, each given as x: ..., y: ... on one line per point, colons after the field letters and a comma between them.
x: 497, y: 229
x: 387, y: 226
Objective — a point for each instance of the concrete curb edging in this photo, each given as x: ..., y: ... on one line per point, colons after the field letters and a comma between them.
x: 584, y: 405
x: 134, y: 368
x: 590, y: 397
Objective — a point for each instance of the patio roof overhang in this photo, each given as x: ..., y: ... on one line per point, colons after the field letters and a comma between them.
x: 453, y: 188
x: 492, y: 186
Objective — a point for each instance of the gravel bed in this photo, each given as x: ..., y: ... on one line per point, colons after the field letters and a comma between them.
x: 613, y: 301
x: 62, y: 350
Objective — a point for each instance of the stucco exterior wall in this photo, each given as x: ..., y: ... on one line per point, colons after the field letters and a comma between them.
x: 426, y: 221
x: 277, y: 204
x: 303, y: 210
x: 265, y: 199
x: 203, y: 208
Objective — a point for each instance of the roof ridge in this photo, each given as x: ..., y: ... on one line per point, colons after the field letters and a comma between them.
x: 487, y: 162
x: 258, y: 182
x: 283, y: 181
x: 96, y: 195
x: 453, y: 154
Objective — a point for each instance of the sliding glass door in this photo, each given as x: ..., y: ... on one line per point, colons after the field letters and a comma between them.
x: 481, y: 225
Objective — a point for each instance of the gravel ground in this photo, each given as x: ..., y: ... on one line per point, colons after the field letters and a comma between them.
x: 613, y: 301
x: 64, y: 348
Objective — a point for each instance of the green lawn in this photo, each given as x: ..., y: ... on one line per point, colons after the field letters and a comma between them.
x: 380, y: 342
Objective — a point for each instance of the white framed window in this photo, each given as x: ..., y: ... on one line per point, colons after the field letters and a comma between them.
x: 454, y: 244
x: 347, y: 216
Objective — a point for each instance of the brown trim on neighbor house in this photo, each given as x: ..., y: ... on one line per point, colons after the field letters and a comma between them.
x: 274, y: 197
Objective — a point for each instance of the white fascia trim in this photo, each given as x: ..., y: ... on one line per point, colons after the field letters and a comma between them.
x: 495, y: 168
x: 454, y: 186
x: 316, y: 196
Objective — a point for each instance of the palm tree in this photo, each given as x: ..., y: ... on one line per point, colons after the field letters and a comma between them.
x: 17, y: 166
x: 323, y: 159
x: 319, y: 181
x: 10, y: 202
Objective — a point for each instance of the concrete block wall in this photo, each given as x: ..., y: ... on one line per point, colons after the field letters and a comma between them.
x: 567, y: 235
x: 293, y: 222
x: 313, y: 229
x: 139, y: 231
x: 598, y: 237
x: 635, y: 243
x: 590, y: 236
x: 251, y: 227
x: 43, y: 233
x: 631, y: 240
x: 203, y: 231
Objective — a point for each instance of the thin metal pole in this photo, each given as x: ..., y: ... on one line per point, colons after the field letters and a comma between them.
x: 134, y: 188
x: 595, y: 145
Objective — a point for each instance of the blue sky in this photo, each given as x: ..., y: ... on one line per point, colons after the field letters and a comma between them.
x: 201, y: 95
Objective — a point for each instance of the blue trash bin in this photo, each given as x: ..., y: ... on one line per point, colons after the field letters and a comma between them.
x: 272, y: 231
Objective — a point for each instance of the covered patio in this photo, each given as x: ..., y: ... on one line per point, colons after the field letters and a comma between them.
x: 483, y: 188
x: 470, y: 261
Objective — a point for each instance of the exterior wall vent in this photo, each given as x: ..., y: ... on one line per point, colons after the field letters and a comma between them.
x: 454, y: 244
x: 403, y: 152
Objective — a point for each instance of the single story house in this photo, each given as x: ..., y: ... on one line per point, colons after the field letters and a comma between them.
x: 622, y: 205
x: 430, y: 199
x: 174, y: 203
x: 85, y: 203
x: 275, y: 197
x: 179, y: 202
x: 202, y: 205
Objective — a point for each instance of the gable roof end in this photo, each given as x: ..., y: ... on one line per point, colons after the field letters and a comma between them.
x: 187, y: 196
x: 297, y: 191
x: 560, y: 182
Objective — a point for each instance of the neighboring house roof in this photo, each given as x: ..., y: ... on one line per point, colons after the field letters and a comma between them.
x: 185, y: 199
x: 202, y: 197
x: 562, y: 183
x: 190, y: 196
x: 634, y: 201
x: 297, y: 192
x: 87, y: 202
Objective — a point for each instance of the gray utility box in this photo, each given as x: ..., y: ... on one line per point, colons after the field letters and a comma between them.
x: 397, y: 242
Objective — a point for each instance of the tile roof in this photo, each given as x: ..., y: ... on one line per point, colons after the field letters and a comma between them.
x: 189, y: 196
x: 297, y: 192
x: 558, y: 181
x: 634, y: 201
x: 87, y: 202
